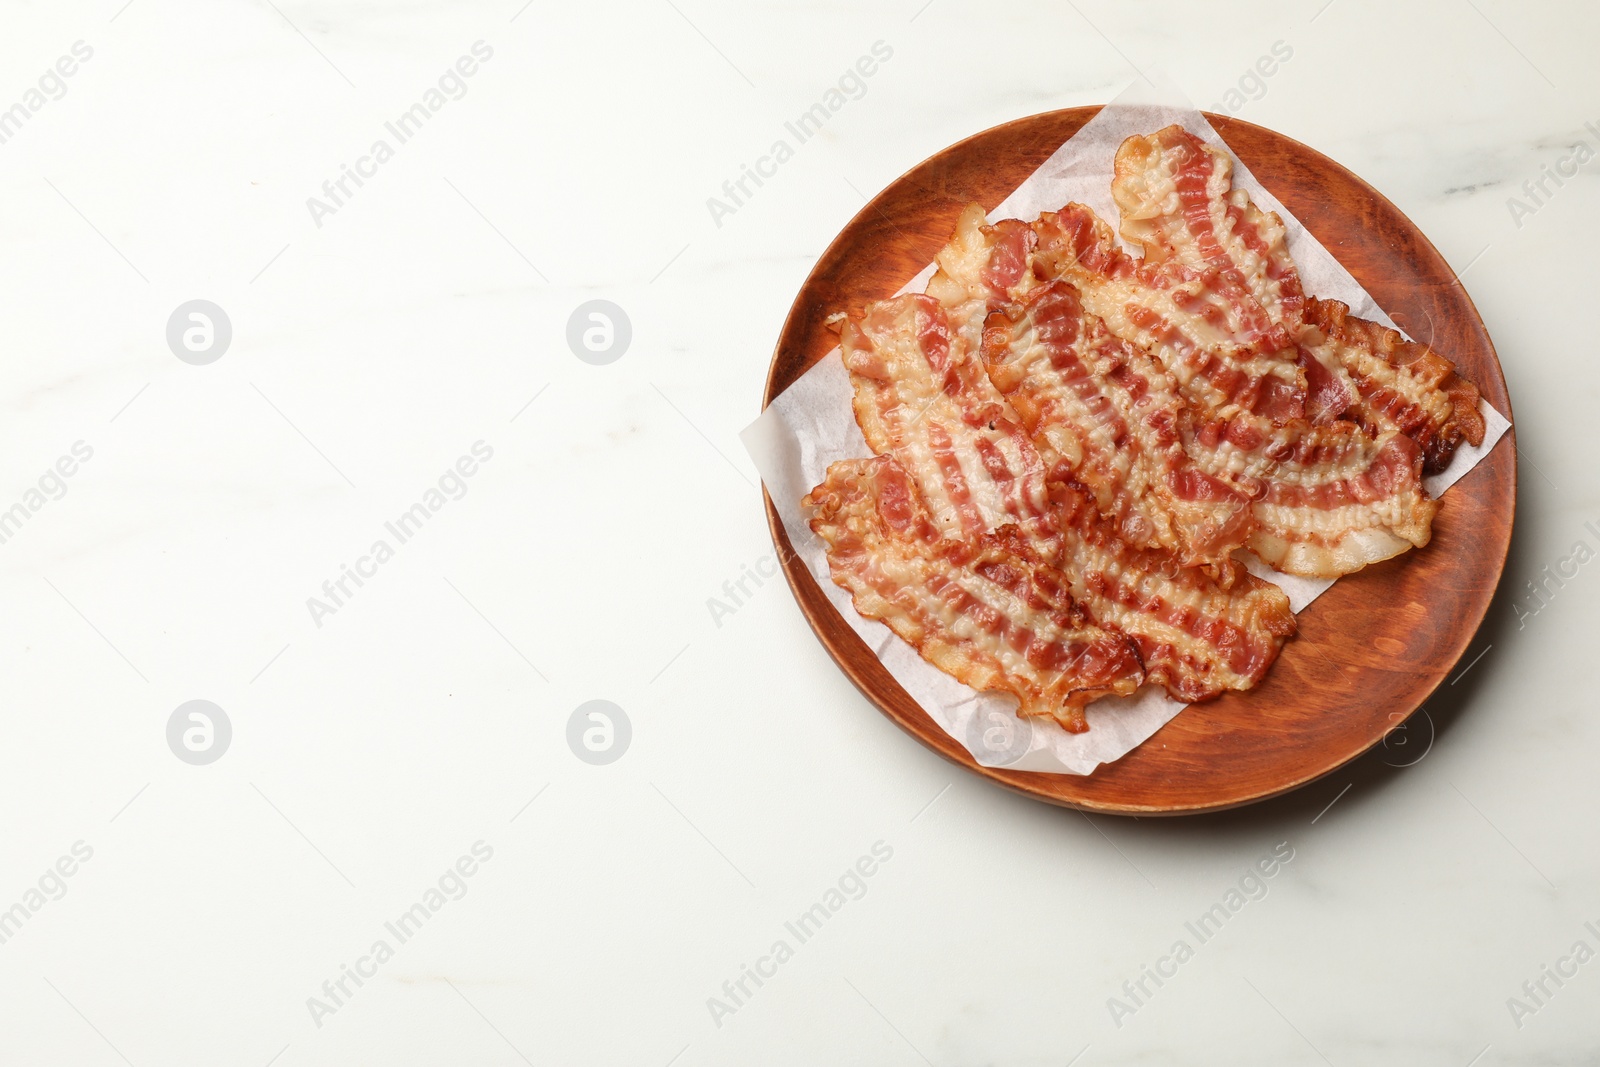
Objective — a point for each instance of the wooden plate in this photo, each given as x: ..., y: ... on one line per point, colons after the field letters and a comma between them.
x: 1370, y: 650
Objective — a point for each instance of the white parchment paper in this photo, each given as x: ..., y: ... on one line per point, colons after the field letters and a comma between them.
x: 811, y: 425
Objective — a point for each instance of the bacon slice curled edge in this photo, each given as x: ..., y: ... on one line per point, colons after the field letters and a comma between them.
x: 1374, y: 377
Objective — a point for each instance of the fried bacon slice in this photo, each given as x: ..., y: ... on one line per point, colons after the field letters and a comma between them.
x: 1219, y: 345
x: 1328, y: 500
x: 1107, y: 415
x: 1372, y: 376
x: 983, y: 262
x: 922, y: 396
x: 986, y: 609
x: 1198, y: 635
x: 1176, y: 199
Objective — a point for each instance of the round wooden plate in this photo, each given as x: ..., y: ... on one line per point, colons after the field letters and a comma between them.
x: 1370, y: 650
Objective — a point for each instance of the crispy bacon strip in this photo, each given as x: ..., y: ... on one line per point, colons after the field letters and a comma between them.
x: 1219, y: 346
x: 987, y: 610
x: 1197, y: 635
x: 1371, y: 375
x: 983, y: 262
x: 922, y: 396
x: 1108, y: 414
x: 1329, y: 500
x: 1176, y: 198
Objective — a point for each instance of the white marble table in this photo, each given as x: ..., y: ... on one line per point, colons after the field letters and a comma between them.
x: 399, y: 856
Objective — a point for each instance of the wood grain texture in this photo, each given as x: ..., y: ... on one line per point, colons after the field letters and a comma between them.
x: 1370, y: 650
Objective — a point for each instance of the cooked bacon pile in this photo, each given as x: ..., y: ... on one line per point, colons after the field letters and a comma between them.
x: 1074, y: 442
